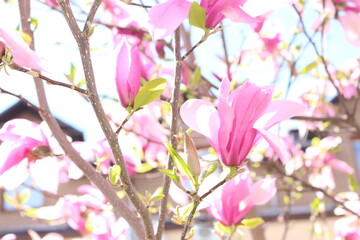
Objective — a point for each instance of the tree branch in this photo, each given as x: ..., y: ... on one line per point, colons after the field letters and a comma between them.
x: 174, y: 103
x: 48, y: 80
x: 22, y: 99
x: 84, y: 48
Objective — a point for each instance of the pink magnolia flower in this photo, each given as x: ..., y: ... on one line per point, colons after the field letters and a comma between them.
x: 24, y: 143
x: 165, y: 18
x: 20, y: 50
x: 127, y: 74
x: 347, y: 228
x: 89, y: 214
x: 99, y: 152
x: 52, y: 3
x: 152, y: 134
x: 231, y: 202
x: 241, y: 119
x: 319, y: 159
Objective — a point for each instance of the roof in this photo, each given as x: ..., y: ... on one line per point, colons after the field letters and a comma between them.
x: 22, y: 110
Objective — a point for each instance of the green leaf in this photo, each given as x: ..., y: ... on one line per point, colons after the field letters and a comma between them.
x: 251, y: 222
x: 72, y: 73
x: 197, y: 16
x: 157, y: 197
x: 34, y: 22
x: 286, y: 200
x: 308, y: 67
x: 352, y: 183
x: 144, y: 167
x: 149, y: 92
x: 10, y: 200
x: 224, y: 229
x: 114, y: 174
x: 315, y: 141
x: 170, y: 173
x: 121, y: 194
x: 209, y: 170
x: 317, y: 205
x: 24, y: 195
x: 196, y: 76
x: 180, y: 163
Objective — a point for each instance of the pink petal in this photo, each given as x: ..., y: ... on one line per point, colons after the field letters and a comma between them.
x: 45, y: 173
x: 53, y: 236
x: 9, y: 236
x: 23, y: 55
x: 277, y: 144
x: 262, y: 191
x: 16, y: 129
x: 341, y: 166
x: 350, y: 23
x: 279, y: 111
x: 13, y: 153
x: 237, y: 14
x: 201, y: 116
x: 165, y: 18
x: 127, y: 74
x: 14, y: 176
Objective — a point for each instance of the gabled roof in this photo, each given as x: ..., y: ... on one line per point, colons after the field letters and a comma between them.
x: 22, y: 110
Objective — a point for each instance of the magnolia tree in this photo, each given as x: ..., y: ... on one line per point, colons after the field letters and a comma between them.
x: 203, y: 89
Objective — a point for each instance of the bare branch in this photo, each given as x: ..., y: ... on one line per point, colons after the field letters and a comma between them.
x: 84, y: 48
x: 174, y: 102
x: 48, y: 80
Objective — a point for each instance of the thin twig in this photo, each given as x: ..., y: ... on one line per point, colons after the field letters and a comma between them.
x: 137, y: 4
x: 197, y: 200
x: 48, y: 80
x: 203, y: 39
x: 323, y: 60
x: 226, y: 55
x: 22, y: 99
x: 323, y: 191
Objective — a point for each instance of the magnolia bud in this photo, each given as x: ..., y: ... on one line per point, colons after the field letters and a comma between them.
x: 192, y: 158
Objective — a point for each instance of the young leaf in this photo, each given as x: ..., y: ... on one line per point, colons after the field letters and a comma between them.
x: 197, y: 15
x: 192, y: 157
x: 144, y: 167
x: 352, y: 183
x: 308, y: 67
x: 209, y: 170
x: 170, y: 173
x: 114, y: 174
x: 180, y: 163
x: 149, y: 92
x: 196, y: 76
x: 24, y: 195
x: 251, y: 222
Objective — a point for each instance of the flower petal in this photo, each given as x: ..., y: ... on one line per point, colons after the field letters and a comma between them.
x: 350, y: 23
x: 277, y: 144
x: 279, y: 111
x: 165, y: 18
x: 341, y: 166
x: 262, y: 191
x: 201, y: 116
x: 22, y: 54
